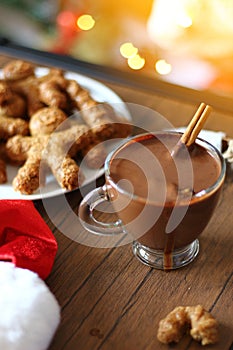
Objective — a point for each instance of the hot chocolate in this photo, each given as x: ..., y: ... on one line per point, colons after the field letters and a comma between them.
x: 163, y: 195
x: 144, y: 171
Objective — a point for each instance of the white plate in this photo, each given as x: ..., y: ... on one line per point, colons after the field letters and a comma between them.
x: 100, y: 93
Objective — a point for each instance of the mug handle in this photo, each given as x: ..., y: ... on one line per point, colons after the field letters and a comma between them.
x: 86, y: 214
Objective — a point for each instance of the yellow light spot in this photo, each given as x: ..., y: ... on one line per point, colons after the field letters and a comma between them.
x: 127, y: 50
x: 162, y: 67
x: 85, y: 22
x: 136, y: 62
x: 184, y: 21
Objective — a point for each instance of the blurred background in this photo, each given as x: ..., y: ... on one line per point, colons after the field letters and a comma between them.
x: 185, y: 42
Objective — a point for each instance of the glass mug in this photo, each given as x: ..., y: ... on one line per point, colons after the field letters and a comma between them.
x: 163, y: 202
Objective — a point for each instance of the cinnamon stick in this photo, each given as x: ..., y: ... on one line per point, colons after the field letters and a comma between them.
x: 194, y: 127
x: 196, y: 124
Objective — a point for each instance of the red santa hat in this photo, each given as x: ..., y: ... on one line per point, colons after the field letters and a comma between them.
x: 30, y: 313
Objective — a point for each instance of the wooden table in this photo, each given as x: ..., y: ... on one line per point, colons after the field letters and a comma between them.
x: 108, y: 299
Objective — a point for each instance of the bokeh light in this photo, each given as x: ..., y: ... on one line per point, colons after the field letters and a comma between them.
x: 85, y: 22
x: 128, y: 50
x: 66, y: 19
x: 184, y: 21
x: 136, y: 62
x: 162, y: 67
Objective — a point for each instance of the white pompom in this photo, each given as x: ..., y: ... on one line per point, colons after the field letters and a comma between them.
x: 30, y: 313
